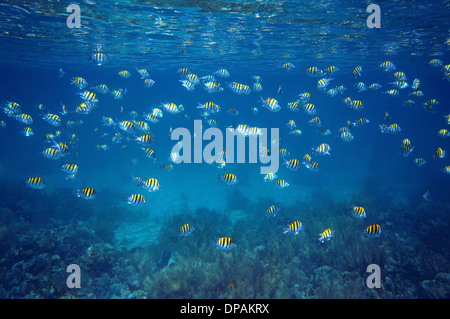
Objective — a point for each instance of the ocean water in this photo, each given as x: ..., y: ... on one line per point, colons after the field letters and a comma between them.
x: 128, y: 251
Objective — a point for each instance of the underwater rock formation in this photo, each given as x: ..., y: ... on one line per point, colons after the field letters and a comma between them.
x: 264, y: 264
x: 439, y: 287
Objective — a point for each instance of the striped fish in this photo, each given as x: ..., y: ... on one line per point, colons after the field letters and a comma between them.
x: 98, y: 57
x: 127, y: 126
x: 70, y: 168
x: 323, y: 83
x: 271, y: 104
x: 314, y: 71
x: 419, y: 161
x: 293, y: 228
x: 407, y: 149
x: 87, y: 193
x: 149, y: 153
x: 293, y: 164
x: 150, y: 184
x: 24, y: 118
x: 79, y: 82
x: 213, y: 87
x: 27, y: 131
x: 172, y: 108
x: 347, y: 136
x: 124, y: 74
x: 144, y: 139
x: 136, y: 200
x: 325, y: 235
x: 358, y: 212
x: 89, y: 97
x: 440, y: 153
x: 35, y: 182
x: 185, y: 230
x: 228, y: 178
x: 281, y: 183
x: 373, y: 230
x: 322, y: 149
x: 270, y: 177
x: 357, y: 71
x: 192, y: 78
x: 310, y: 108
x: 224, y: 243
x: 312, y: 166
x: 118, y: 93
x: 51, y: 153
x: 272, y: 211
x: 52, y: 119
x: 222, y: 73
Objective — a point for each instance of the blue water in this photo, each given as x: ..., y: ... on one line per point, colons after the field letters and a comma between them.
x: 135, y: 252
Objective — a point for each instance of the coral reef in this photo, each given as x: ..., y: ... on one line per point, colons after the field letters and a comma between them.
x: 37, y: 243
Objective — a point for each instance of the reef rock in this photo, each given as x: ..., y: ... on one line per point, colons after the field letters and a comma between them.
x: 439, y: 287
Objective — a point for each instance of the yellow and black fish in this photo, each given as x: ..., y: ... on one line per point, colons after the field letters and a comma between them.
x: 314, y: 71
x: 149, y: 153
x: 325, y: 235
x: 281, y: 183
x: 357, y: 71
x: 443, y: 133
x: 144, y: 139
x: 312, y: 166
x: 136, y: 200
x: 98, y: 57
x: 284, y: 152
x: 440, y: 153
x: 35, y: 182
x: 127, y: 126
x: 292, y: 164
x: 192, y: 78
x: 228, y: 178
x: 118, y: 93
x: 27, y: 131
x: 270, y: 177
x: 87, y: 193
x: 322, y: 149
x: 293, y: 228
x: 52, y: 119
x: 358, y: 211
x: 446, y: 169
x: 272, y: 211
x: 224, y: 243
x: 309, y: 108
x: 125, y: 74
x: 288, y: 66
x: 150, y: 184
x: 24, y: 118
x: 51, y: 153
x: 419, y: 161
x: 89, y: 97
x: 407, y: 149
x: 70, y: 168
x: 222, y: 73
x: 166, y: 167
x: 186, y: 230
x: 373, y: 230
x: 271, y: 104
x: 183, y: 71
x: 79, y: 82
